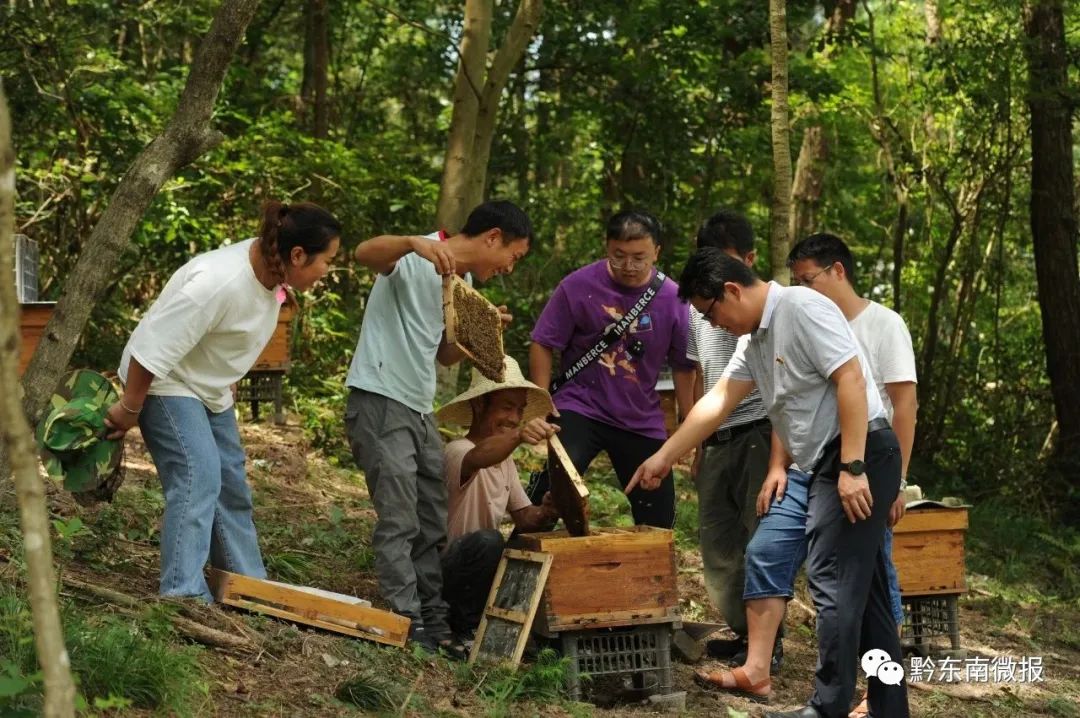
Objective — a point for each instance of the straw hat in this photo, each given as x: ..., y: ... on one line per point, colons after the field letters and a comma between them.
x: 537, y: 403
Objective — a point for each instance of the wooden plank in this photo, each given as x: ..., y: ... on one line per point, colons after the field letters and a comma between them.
x: 514, y: 616
x: 32, y: 320
x: 275, y: 355
x: 646, y: 538
x: 930, y: 562
x: 314, y: 609
x: 511, y: 606
x: 568, y: 491
x: 932, y: 520
x: 608, y: 619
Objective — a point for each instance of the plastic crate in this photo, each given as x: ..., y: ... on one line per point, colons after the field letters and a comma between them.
x: 927, y: 619
x: 642, y: 653
x: 262, y: 386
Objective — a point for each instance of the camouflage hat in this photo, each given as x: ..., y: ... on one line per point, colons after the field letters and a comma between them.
x: 72, y: 440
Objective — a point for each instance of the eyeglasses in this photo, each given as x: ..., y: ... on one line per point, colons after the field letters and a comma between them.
x: 628, y: 263
x: 708, y: 310
x: 808, y: 280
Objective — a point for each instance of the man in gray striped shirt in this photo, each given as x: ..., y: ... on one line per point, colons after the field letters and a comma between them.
x: 730, y: 467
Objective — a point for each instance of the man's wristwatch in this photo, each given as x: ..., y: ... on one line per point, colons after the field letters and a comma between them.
x: 856, y: 467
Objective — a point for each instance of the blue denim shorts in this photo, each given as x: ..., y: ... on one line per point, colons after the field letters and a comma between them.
x: 778, y: 547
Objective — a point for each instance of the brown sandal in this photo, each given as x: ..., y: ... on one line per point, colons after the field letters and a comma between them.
x: 714, y: 681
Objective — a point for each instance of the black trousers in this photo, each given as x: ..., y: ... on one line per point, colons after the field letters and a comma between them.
x: 469, y: 564
x: 584, y: 438
x: 846, y: 572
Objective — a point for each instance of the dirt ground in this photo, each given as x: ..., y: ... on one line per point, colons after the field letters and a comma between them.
x: 314, y: 520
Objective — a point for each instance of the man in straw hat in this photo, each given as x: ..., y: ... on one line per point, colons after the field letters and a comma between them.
x: 483, y: 485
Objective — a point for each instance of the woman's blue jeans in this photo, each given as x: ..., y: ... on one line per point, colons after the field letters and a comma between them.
x: 208, y: 511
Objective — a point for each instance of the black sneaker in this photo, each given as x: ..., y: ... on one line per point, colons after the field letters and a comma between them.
x: 420, y: 638
x: 725, y: 647
x: 447, y: 644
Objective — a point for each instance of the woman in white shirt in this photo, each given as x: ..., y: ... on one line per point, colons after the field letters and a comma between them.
x: 202, y: 335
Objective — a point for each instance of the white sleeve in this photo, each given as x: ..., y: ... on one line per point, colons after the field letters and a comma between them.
x: 738, y: 368
x: 174, y: 326
x: 895, y: 358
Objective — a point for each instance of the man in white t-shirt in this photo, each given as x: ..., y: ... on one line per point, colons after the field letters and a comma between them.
x: 389, y: 413
x: 483, y: 485
x: 804, y: 359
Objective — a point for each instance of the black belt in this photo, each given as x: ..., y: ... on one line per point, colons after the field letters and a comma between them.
x: 834, y: 446
x: 877, y: 424
x: 721, y: 436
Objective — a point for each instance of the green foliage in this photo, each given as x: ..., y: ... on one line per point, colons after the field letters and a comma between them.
x: 374, y: 692
x: 1035, y: 561
x: 117, y: 662
x: 540, y: 681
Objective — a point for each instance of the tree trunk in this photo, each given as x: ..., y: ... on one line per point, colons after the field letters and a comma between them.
x: 186, y: 136
x: 307, y: 74
x: 510, y: 53
x: 933, y: 21
x: 18, y: 445
x: 454, y: 188
x: 899, y: 235
x: 320, y: 61
x: 779, y: 237
x: 1053, y: 213
x: 809, y: 182
x: 814, y: 151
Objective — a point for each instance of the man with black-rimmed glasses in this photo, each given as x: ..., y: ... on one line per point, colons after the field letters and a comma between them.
x: 615, y: 322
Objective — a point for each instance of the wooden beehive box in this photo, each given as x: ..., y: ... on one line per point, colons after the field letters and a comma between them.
x: 612, y: 577
x: 928, y: 551
x: 275, y: 357
x: 33, y: 316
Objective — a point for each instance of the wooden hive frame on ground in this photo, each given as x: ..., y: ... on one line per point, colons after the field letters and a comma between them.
x: 322, y: 609
x: 473, y: 325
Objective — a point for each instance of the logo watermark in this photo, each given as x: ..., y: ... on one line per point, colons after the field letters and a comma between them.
x: 876, y: 663
x: 999, y: 669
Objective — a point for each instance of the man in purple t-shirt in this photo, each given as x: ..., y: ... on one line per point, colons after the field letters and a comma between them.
x: 612, y: 405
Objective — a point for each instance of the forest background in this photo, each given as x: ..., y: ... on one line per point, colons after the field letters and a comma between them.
x: 910, y: 136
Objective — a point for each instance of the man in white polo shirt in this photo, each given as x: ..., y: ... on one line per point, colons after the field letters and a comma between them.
x: 804, y: 359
